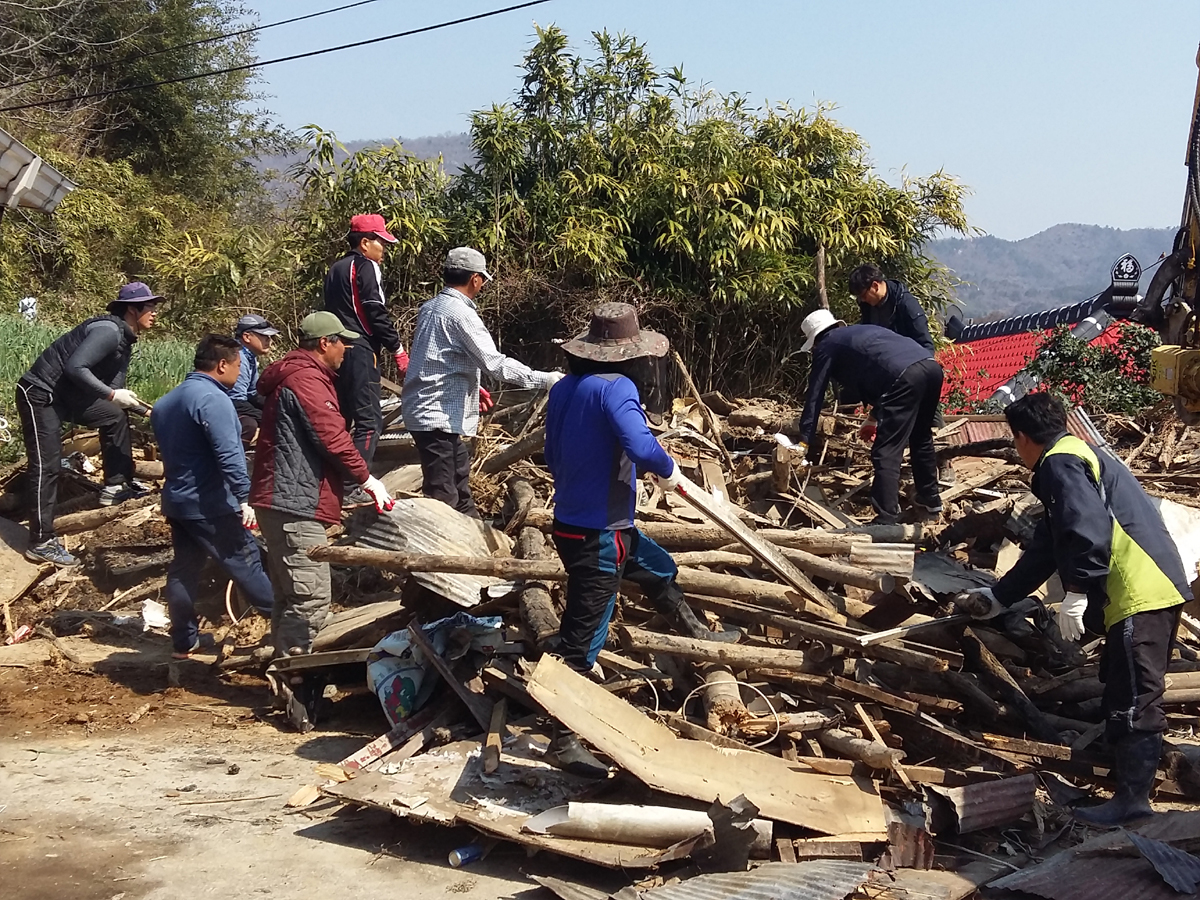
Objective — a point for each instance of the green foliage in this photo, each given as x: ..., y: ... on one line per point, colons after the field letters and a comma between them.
x: 1114, y: 378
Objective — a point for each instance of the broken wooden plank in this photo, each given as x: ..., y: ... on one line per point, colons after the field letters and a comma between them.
x: 696, y: 769
x: 478, y: 705
x: 494, y: 741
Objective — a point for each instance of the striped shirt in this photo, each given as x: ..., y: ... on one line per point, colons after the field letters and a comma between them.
x: 449, y: 348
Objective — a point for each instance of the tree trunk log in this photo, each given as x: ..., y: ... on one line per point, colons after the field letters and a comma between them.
x: 724, y: 711
x: 538, y: 615
x: 837, y: 572
x: 873, y: 753
x: 527, y: 446
x: 94, y: 518
x: 991, y: 668
x: 737, y: 656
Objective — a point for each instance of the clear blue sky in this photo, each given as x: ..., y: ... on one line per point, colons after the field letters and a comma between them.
x: 1051, y: 111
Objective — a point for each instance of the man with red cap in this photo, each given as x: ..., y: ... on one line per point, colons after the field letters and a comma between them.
x: 354, y: 293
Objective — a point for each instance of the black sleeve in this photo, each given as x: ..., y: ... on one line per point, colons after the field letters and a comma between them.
x: 1080, y: 523
x: 101, y: 341
x: 1031, y: 571
x: 912, y: 321
x: 374, y: 309
x: 818, y: 380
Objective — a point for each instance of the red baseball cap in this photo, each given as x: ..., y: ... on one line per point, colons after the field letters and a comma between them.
x: 371, y: 223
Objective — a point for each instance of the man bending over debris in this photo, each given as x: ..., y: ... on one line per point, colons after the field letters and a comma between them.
x: 901, y: 382
x: 206, y: 488
x: 442, y: 396
x: 304, y: 457
x: 1122, y: 576
x: 81, y: 378
x: 596, y: 440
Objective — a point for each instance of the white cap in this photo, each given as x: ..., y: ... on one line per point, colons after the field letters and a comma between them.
x: 815, y: 324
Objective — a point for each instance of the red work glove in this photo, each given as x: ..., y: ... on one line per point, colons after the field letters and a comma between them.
x: 485, y: 401
x: 402, y: 362
x: 868, y: 430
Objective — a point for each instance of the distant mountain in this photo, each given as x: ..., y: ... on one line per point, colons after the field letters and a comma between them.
x: 455, y: 150
x: 1056, y: 267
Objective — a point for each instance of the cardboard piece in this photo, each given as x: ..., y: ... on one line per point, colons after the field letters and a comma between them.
x: 700, y: 770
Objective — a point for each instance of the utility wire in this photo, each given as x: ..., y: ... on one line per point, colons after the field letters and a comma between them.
x: 198, y: 43
x: 270, y: 62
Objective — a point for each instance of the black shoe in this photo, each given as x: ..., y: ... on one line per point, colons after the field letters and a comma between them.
x: 684, y: 621
x: 51, y: 550
x: 1135, y: 762
x: 571, y: 756
x: 112, y: 494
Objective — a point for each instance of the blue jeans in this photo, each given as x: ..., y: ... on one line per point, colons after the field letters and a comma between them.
x: 227, y: 541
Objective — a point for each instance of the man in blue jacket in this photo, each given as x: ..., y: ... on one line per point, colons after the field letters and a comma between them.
x: 206, y: 488
x: 597, y: 440
x: 901, y: 382
x: 1122, y: 576
x: 255, y: 334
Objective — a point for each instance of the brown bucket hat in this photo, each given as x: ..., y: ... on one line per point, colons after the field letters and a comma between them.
x: 614, y: 336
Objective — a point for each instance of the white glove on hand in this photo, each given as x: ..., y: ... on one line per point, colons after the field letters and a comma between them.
x: 383, y: 500
x: 553, y: 378
x: 249, y: 517
x: 982, y: 604
x: 126, y: 399
x: 1070, y: 615
x: 671, y: 482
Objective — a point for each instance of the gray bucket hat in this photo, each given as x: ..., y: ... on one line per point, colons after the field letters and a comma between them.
x: 614, y: 336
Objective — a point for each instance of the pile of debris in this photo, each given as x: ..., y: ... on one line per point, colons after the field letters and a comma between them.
x: 863, y: 732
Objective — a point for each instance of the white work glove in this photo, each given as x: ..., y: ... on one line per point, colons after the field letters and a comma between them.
x: 671, y: 482
x: 126, y: 399
x: 1070, y: 615
x: 982, y: 597
x: 552, y: 378
x: 383, y: 500
x: 249, y: 517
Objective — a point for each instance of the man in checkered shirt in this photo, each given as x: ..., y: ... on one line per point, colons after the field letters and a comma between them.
x: 442, y: 396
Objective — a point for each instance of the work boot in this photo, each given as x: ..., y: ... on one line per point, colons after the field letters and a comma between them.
x: 674, y: 608
x: 1135, y: 760
x: 51, y: 550
x: 121, y: 491
x: 571, y: 756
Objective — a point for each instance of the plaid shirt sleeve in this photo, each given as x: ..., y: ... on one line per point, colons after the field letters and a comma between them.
x: 478, y: 344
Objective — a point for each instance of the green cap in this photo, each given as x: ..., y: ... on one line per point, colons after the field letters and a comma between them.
x: 325, y: 324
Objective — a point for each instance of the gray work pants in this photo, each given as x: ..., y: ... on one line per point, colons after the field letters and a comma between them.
x: 303, y: 591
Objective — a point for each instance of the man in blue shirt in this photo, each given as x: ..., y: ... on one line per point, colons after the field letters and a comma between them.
x: 206, y: 488
x: 597, y: 439
x: 901, y: 382
x: 255, y: 334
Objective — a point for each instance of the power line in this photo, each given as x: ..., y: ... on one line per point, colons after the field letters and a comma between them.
x: 94, y: 95
x: 197, y: 43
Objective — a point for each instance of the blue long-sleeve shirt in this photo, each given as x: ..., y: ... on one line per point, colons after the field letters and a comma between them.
x: 247, y: 380
x: 863, y: 359
x: 596, y: 440
x: 200, y: 437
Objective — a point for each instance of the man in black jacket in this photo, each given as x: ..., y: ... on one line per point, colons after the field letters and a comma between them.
x: 80, y: 378
x: 889, y: 304
x: 1122, y: 576
x: 354, y: 293
x: 901, y: 382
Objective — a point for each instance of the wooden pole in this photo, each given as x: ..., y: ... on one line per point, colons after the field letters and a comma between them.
x: 822, y: 293
x: 705, y: 412
x: 737, y: 656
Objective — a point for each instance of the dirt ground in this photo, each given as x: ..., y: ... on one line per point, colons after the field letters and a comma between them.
x: 134, y: 777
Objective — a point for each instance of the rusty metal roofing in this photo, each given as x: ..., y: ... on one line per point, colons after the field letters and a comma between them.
x: 1179, y: 869
x: 1103, y: 868
x: 422, y: 525
x: 818, y: 879
x: 987, y: 428
x: 988, y: 803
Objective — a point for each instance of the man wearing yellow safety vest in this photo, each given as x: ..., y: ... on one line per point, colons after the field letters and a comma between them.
x: 1123, y: 577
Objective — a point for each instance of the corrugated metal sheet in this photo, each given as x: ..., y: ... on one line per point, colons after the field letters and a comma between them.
x: 987, y: 428
x: 989, y: 803
x: 1094, y: 870
x: 894, y: 559
x: 422, y: 525
x: 819, y: 879
x: 1178, y: 869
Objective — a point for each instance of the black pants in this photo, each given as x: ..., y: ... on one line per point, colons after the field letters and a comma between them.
x: 359, y: 397
x: 1133, y: 667
x: 250, y: 418
x: 596, y: 561
x: 42, y: 418
x: 446, y: 468
x: 905, y: 414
